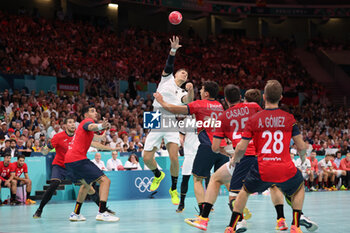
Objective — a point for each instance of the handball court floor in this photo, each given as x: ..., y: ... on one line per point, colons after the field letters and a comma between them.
x: 331, y: 210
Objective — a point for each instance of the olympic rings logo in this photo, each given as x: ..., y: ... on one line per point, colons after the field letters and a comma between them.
x: 143, y: 184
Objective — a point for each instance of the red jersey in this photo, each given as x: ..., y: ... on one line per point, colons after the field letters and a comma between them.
x: 20, y: 170
x: 5, y: 172
x: 80, y: 143
x: 60, y: 142
x: 205, y: 110
x: 271, y: 131
x: 335, y: 167
x: 314, y: 164
x: 233, y: 122
x: 344, y: 164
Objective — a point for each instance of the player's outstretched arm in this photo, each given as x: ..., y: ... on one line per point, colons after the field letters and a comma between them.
x: 301, y: 147
x: 100, y: 146
x: 170, y: 107
x: 190, y: 94
x: 240, y: 150
x: 175, y: 45
x: 97, y: 127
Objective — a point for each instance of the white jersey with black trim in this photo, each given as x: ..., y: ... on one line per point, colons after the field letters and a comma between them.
x: 191, y: 142
x: 171, y: 93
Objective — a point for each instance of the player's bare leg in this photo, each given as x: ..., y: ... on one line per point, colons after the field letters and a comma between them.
x: 75, y: 216
x: 173, y: 150
x: 103, y: 214
x: 148, y: 158
x: 277, y: 199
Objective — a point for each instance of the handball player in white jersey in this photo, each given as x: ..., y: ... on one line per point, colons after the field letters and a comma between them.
x: 169, y: 87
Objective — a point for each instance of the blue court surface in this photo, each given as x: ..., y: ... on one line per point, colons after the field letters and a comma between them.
x: 331, y: 210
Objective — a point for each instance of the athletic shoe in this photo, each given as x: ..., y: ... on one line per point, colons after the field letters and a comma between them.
x: 110, y: 211
x: 241, y: 226
x: 107, y: 217
x: 30, y: 202
x: 312, y: 189
x: 180, y: 209
x: 295, y: 229
x: 37, y: 213
x: 229, y: 230
x: 246, y: 213
x: 73, y: 217
x: 15, y: 202
x: 200, y: 222
x: 174, y: 196
x: 156, y: 181
x: 308, y: 224
x: 281, y: 224
x: 333, y: 188
x: 343, y: 188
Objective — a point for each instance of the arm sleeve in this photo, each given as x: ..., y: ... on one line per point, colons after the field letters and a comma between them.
x: 169, y: 66
x: 295, y: 130
x: 2, y: 178
x: 86, y: 126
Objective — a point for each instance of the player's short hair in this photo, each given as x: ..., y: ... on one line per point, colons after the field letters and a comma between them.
x: 86, y: 109
x: 21, y: 157
x: 7, y: 154
x: 212, y: 88
x: 253, y: 95
x: 68, y: 118
x: 182, y: 69
x: 273, y: 91
x: 232, y: 93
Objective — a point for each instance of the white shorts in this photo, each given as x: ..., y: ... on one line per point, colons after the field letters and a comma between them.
x: 154, y: 139
x: 230, y: 169
x: 338, y: 173
x: 188, y: 164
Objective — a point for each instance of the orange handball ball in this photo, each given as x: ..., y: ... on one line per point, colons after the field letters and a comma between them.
x: 175, y: 18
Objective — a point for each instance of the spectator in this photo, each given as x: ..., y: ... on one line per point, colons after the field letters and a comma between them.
x: 98, y: 162
x: 42, y: 140
x: 114, y: 164
x: 57, y: 129
x: 21, y: 167
x: 28, y: 149
x: 12, y: 149
x: 3, y: 130
x: 131, y: 147
x: 7, y: 145
x: 10, y: 132
x: 37, y: 147
x: 116, y: 141
x: 132, y: 163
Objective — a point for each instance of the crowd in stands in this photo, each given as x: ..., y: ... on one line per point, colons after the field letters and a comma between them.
x: 36, y: 46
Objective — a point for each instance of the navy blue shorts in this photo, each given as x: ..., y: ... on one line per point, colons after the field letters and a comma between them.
x: 241, y: 170
x: 205, y: 160
x: 3, y: 184
x: 84, y: 170
x: 253, y: 182
x: 61, y: 173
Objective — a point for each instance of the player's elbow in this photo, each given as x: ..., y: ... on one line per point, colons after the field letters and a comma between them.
x: 215, y: 148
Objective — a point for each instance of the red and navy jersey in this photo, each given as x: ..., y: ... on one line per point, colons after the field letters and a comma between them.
x: 271, y: 131
x: 205, y: 110
x: 60, y: 142
x: 81, y: 142
x: 20, y: 170
x: 5, y: 172
x: 233, y: 121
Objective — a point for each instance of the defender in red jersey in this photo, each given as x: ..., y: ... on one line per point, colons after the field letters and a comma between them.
x: 271, y: 130
x: 60, y: 142
x: 83, y: 169
x: 207, y: 110
x: 21, y: 167
x: 7, y: 173
x: 232, y: 125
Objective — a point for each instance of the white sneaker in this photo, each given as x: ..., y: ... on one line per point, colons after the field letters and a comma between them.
x: 307, y: 223
x: 76, y: 217
x: 107, y: 217
x: 241, y: 226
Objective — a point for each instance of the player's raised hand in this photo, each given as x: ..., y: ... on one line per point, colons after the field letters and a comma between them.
x: 158, y: 97
x: 105, y: 123
x: 175, y: 42
x: 189, y: 87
